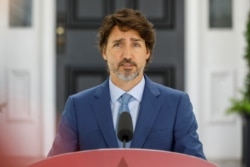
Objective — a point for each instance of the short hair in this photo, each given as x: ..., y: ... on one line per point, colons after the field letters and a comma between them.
x: 127, y: 19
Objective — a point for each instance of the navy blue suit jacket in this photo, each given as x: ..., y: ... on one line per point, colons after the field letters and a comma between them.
x: 165, y: 122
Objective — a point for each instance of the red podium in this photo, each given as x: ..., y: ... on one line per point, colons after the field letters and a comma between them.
x: 123, y: 158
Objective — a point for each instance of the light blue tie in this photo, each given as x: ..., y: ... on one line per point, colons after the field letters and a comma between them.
x: 124, y: 100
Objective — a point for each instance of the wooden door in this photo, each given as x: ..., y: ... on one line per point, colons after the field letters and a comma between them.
x: 80, y: 65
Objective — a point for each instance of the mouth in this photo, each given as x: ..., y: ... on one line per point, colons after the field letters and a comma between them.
x: 127, y: 64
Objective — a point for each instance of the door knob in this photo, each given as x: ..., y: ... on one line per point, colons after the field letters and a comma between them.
x: 61, y: 32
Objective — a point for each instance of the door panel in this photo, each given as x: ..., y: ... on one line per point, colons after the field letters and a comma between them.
x: 80, y: 65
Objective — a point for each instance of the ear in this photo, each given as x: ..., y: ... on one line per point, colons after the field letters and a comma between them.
x: 104, y: 56
x: 104, y: 53
x: 148, y: 54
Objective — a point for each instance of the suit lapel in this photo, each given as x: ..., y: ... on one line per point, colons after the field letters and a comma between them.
x: 149, y: 109
x: 102, y: 111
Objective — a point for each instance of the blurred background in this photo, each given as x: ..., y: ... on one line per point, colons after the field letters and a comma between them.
x: 48, y: 51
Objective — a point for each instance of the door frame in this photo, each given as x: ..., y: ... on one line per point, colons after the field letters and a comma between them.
x: 48, y: 66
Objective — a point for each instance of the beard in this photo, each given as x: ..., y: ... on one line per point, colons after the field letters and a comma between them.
x: 127, y: 74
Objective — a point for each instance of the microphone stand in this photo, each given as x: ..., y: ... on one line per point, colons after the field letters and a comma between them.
x: 124, y: 143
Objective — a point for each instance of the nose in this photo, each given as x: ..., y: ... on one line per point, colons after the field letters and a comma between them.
x: 127, y: 53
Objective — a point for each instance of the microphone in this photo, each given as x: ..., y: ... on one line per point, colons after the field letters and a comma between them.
x: 125, y: 128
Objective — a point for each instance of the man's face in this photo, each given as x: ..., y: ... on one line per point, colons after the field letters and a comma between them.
x: 126, y: 54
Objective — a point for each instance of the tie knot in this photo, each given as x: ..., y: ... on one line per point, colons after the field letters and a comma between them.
x: 125, y: 98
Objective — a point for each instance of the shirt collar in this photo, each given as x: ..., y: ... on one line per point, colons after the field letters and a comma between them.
x: 136, y: 92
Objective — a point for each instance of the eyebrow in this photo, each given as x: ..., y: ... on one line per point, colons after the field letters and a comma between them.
x: 136, y: 39
x: 132, y: 39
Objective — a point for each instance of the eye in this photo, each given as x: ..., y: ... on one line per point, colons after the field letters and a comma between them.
x: 136, y: 45
x: 118, y: 44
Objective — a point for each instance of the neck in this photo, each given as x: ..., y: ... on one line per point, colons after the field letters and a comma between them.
x: 126, y: 85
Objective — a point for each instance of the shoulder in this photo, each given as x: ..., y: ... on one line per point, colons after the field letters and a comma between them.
x: 161, y: 89
x: 89, y: 93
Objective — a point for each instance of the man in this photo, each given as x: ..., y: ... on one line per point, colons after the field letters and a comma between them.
x: 162, y: 117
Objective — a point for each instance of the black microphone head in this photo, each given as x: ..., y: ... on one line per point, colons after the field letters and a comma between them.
x: 125, y: 127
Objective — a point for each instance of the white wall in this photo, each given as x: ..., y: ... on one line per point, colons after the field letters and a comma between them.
x: 214, y: 70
